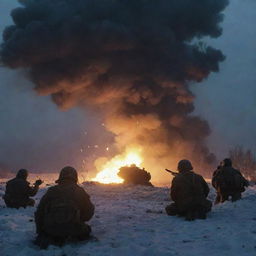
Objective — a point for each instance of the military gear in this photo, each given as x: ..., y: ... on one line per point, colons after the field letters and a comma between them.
x: 62, y: 212
x: 228, y: 182
x: 171, y: 172
x: 18, y: 191
x: 189, y: 192
x: 68, y: 173
x: 38, y: 182
x: 184, y: 165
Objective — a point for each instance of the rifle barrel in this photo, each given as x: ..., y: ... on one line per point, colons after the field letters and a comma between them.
x: 173, y: 173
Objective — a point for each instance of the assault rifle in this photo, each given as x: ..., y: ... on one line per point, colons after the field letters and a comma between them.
x: 172, y: 172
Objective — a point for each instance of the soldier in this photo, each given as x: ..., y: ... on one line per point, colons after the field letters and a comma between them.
x: 18, y: 191
x: 218, y: 168
x: 62, y: 211
x: 189, y: 192
x: 228, y: 182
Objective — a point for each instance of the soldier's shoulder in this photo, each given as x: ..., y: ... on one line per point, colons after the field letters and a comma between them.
x: 230, y: 170
x: 198, y: 175
x: 82, y: 190
x: 52, y: 189
x: 10, y: 181
x: 178, y: 178
x: 18, y: 181
x: 236, y: 170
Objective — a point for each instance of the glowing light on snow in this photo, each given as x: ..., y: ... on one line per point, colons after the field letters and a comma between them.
x: 111, y: 168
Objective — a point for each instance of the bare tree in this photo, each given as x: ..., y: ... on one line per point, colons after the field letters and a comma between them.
x: 244, y: 160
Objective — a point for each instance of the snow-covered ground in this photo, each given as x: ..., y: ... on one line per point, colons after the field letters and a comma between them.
x: 132, y: 221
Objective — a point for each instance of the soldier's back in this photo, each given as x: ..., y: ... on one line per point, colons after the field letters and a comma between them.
x: 16, y: 193
x: 65, y: 207
x: 73, y: 193
x: 232, y: 178
x: 62, y: 192
x: 190, y: 186
x: 17, y: 189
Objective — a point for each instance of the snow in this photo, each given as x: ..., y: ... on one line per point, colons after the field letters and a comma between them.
x: 132, y: 221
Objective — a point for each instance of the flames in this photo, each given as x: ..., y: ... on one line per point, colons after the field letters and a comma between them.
x: 110, y: 169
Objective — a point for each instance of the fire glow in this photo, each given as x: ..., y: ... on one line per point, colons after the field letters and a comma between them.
x: 111, y: 168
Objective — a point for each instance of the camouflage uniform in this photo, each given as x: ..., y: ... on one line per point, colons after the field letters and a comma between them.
x: 18, y: 191
x: 228, y: 182
x: 62, y: 211
x: 189, y: 192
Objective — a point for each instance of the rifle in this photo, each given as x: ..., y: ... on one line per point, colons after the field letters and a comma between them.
x: 38, y: 182
x: 172, y: 172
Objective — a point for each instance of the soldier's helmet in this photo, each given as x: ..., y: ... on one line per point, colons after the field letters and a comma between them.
x: 67, y: 173
x: 227, y: 162
x: 22, y: 174
x: 184, y: 165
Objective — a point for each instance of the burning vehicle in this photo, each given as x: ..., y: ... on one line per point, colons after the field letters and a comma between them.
x: 134, y: 175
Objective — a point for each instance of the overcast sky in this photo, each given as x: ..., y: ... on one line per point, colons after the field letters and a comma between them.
x: 228, y: 99
x: 34, y: 131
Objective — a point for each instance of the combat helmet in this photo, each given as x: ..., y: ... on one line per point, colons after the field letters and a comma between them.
x: 67, y: 173
x: 184, y: 165
x: 22, y: 174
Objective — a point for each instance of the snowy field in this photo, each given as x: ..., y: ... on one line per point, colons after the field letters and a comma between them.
x: 132, y: 221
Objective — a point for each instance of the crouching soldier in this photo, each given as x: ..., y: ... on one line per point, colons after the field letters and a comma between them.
x: 228, y: 182
x: 62, y: 211
x: 189, y: 192
x: 18, y: 191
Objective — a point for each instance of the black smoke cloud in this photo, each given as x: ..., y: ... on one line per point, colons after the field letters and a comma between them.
x: 133, y: 60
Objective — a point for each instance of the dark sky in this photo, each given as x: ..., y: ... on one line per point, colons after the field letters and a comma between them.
x: 34, y: 131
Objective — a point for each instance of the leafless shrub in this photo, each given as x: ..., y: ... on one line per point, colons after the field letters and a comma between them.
x: 244, y: 160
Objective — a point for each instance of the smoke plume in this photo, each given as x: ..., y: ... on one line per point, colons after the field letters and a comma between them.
x: 132, y: 60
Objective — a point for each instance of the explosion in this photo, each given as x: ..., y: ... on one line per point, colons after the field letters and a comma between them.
x: 130, y: 61
x: 109, y: 170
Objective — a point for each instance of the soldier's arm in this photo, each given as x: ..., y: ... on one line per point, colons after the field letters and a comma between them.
x: 214, y: 173
x: 86, y: 206
x: 205, y: 186
x: 32, y: 190
x: 246, y: 182
x: 174, y: 189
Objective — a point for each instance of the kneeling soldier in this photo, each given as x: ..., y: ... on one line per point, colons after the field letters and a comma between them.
x: 62, y: 211
x: 189, y: 192
x: 18, y: 191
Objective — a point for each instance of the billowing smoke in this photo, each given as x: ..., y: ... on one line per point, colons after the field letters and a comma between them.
x: 132, y: 60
